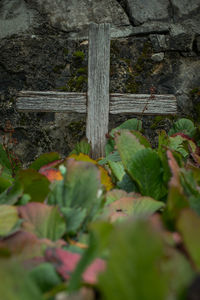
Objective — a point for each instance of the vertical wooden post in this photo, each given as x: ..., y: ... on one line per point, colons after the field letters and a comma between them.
x: 98, y: 87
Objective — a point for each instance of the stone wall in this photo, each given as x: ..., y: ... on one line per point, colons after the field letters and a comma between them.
x: 44, y: 46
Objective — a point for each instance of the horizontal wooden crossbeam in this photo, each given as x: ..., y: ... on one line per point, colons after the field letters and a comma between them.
x: 32, y: 101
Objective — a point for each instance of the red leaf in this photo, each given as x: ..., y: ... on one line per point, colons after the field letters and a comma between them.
x: 52, y: 174
x: 66, y: 262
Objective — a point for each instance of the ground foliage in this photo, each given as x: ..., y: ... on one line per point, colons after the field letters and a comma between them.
x: 125, y: 226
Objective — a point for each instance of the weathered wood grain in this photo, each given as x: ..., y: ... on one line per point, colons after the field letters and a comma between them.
x: 98, y: 87
x: 31, y: 101
x: 143, y: 104
x: 76, y: 102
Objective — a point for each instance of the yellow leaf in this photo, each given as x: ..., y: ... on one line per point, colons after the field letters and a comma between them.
x: 105, y: 178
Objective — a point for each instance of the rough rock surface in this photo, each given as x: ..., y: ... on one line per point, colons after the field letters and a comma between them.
x: 43, y: 46
x: 72, y: 15
x: 16, y: 17
x: 143, y: 11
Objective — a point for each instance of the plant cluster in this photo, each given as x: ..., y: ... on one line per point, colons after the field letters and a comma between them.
x: 123, y: 227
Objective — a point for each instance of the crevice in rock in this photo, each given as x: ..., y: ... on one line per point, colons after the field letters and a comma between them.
x: 171, y: 11
x: 125, y: 7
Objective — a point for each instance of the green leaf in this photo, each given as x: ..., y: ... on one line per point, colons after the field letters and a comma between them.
x: 176, y: 200
x: 146, y: 169
x: 44, y: 159
x: 74, y: 218
x: 189, y: 227
x: 45, y: 277
x: 110, y: 146
x: 16, y: 284
x: 79, y: 194
x: 185, y: 126
x: 34, y: 184
x: 4, y: 161
x: 141, y: 138
x: 82, y: 147
x: 128, y: 145
x: 8, y: 220
x: 127, y: 184
x: 42, y: 220
x: 131, y: 124
x: 179, y: 144
x: 4, y: 184
x: 12, y: 194
x: 117, y: 169
x: 133, y: 268
x: 111, y: 157
x: 191, y: 189
x: 180, y: 273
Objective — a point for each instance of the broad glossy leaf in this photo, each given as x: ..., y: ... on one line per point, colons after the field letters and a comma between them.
x: 133, y: 269
x: 66, y: 262
x: 116, y: 194
x: 131, y: 124
x: 34, y: 184
x: 128, y: 145
x: 182, y: 144
x: 142, y: 139
x: 45, y: 276
x: 117, y: 169
x: 79, y: 195
x: 139, y: 206
x: 146, y: 169
x: 133, y: 206
x: 128, y: 184
x: 8, y: 220
x: 189, y: 227
x: 42, y: 220
x: 185, y: 126
x: 44, y: 159
x: 16, y: 284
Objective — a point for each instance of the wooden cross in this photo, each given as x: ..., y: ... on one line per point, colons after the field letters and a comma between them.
x: 97, y: 102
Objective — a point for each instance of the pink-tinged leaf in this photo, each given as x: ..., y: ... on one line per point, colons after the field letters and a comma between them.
x: 51, y: 174
x: 27, y: 245
x: 66, y: 262
x: 117, y: 194
x: 132, y: 206
x: 175, y: 180
x: 23, y: 244
x: 176, y: 199
x: 43, y: 220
